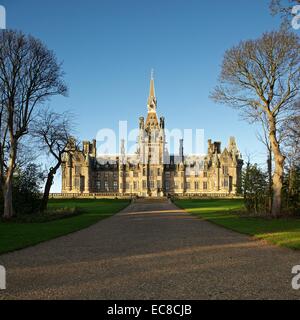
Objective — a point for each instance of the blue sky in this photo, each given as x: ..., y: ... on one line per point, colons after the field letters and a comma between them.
x: 108, y: 48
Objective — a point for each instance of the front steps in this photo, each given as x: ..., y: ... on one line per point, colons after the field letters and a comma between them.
x: 152, y: 200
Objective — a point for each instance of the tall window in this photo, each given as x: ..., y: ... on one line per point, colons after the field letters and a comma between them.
x: 77, y: 170
x: 167, y: 185
x: 225, y: 170
x: 98, y: 185
x: 226, y: 184
x: 77, y: 183
x: 115, y: 185
x: 205, y: 185
x: 196, y: 185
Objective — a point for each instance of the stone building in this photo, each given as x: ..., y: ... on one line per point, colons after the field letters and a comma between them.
x: 152, y: 171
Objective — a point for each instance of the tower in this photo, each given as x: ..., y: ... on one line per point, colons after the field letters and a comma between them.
x: 152, y: 145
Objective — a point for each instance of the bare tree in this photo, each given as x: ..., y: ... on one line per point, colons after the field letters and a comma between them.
x: 27, y: 153
x: 284, y: 8
x: 29, y: 75
x: 53, y: 132
x: 263, y: 77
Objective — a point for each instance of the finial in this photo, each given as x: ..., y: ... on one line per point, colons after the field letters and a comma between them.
x: 152, y: 74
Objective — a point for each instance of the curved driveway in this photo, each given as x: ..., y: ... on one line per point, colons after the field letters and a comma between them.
x: 151, y: 250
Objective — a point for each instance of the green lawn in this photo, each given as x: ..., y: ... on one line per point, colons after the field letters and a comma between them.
x: 16, y: 235
x: 283, y: 232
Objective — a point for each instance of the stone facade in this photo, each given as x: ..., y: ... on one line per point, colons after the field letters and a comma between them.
x: 152, y: 172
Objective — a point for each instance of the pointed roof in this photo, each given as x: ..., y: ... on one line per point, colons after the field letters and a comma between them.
x: 152, y: 102
x: 152, y: 87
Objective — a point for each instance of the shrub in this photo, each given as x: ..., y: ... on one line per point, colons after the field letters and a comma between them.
x: 291, y: 191
x: 255, y: 190
x: 26, y: 190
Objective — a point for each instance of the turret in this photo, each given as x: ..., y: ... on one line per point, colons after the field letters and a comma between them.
x: 94, y: 148
x: 217, y: 147
x: 122, y: 152
x: 210, y: 148
x: 181, y: 150
x: 142, y: 123
x: 162, y: 123
x: 90, y: 148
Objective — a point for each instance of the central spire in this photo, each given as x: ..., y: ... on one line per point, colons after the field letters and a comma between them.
x: 152, y: 122
x: 152, y: 102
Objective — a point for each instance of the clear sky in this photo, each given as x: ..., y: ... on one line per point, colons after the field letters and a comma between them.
x: 108, y: 48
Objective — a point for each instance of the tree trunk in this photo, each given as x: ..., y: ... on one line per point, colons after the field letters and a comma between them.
x: 8, y: 184
x: 7, y: 197
x: 270, y: 178
x: 48, y: 186
x: 279, y: 167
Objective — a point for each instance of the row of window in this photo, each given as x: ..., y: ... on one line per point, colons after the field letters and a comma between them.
x: 136, y: 186
x: 152, y: 184
x: 157, y: 172
x: 196, y: 185
x: 154, y: 172
x: 157, y: 184
x: 188, y: 185
x: 107, y: 174
x: 105, y: 186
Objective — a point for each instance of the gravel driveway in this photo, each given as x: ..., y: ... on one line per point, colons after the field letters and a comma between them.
x: 151, y: 250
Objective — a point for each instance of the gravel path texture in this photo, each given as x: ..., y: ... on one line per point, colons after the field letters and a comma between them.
x: 151, y: 250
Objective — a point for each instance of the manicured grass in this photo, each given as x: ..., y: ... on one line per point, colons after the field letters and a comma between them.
x: 283, y: 232
x: 16, y: 235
